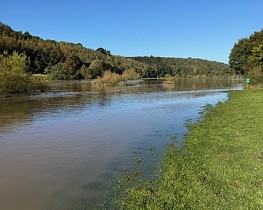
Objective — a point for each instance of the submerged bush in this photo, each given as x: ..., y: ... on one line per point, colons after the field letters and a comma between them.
x: 14, y: 77
x: 109, y: 78
x: 130, y: 74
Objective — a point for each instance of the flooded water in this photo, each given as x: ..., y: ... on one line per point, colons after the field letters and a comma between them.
x: 59, y: 150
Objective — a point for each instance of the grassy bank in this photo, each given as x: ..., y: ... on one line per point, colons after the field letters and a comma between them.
x: 219, y: 167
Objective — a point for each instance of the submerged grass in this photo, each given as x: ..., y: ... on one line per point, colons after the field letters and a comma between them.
x: 219, y: 167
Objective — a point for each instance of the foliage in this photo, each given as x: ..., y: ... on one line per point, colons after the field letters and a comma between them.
x: 219, y: 167
x: 96, y: 68
x: 255, y: 75
x: 86, y: 72
x: 48, y: 55
x: 104, y: 51
x: 109, y: 78
x: 60, y: 71
x: 246, y: 56
x: 13, y: 75
x: 45, y: 54
x: 130, y: 74
x: 160, y: 66
x: 257, y: 55
x: 168, y: 78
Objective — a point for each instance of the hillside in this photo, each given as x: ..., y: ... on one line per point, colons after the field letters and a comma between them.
x: 183, y: 66
x: 46, y: 56
x: 64, y: 60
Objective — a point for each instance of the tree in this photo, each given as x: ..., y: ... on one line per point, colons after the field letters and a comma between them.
x: 14, y: 77
x: 256, y: 75
x: 256, y: 56
x: 239, y: 56
x: 86, y: 72
x: 247, y: 54
x: 96, y: 68
x: 16, y: 63
x: 256, y: 63
x: 59, y: 71
x: 104, y: 51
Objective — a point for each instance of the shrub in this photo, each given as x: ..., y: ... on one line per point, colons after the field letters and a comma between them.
x: 109, y: 78
x: 14, y: 77
x: 130, y: 74
x: 60, y: 71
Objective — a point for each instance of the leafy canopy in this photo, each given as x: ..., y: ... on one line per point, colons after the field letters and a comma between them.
x: 14, y: 77
x: 246, y: 57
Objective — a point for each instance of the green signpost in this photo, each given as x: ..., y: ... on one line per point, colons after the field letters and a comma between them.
x: 248, y: 81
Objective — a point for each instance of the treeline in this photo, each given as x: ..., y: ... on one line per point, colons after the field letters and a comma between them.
x: 63, y: 60
x: 246, y: 57
x: 160, y: 66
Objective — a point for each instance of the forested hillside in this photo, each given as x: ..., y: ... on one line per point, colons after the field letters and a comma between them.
x: 63, y: 60
x: 159, y: 66
x: 246, y: 57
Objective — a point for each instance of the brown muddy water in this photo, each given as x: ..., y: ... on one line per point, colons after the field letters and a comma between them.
x: 59, y: 150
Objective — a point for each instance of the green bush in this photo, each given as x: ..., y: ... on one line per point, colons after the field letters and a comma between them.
x: 60, y: 71
x: 14, y: 77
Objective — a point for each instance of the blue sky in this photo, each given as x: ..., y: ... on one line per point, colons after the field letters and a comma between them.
x: 204, y: 29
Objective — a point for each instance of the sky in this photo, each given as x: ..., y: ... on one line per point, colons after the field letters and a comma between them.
x: 206, y: 29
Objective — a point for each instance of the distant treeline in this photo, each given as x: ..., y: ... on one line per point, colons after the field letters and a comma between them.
x: 63, y: 60
x: 160, y: 66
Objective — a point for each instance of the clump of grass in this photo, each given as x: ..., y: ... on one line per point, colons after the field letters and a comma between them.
x: 137, y: 161
x: 220, y: 165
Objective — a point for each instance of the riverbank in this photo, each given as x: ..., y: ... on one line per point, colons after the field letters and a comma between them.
x: 219, y: 167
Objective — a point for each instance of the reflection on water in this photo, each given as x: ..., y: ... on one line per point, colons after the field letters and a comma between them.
x: 59, y: 150
x: 77, y: 94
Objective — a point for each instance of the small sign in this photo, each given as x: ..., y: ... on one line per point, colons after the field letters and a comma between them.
x: 248, y: 81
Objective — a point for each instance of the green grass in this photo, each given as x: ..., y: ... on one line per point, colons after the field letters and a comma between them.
x: 219, y: 167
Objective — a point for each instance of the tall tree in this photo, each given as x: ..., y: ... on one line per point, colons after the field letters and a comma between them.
x: 246, y: 53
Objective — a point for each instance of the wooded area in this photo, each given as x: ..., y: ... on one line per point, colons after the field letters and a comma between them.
x: 246, y: 57
x: 63, y: 60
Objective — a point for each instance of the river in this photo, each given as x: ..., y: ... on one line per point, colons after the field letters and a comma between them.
x: 58, y: 150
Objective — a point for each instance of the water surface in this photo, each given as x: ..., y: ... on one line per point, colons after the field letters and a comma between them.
x: 59, y: 150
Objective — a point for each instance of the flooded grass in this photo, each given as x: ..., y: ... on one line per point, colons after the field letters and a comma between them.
x: 140, y: 169
x: 219, y: 167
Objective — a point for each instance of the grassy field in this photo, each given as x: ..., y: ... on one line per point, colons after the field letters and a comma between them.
x: 219, y: 167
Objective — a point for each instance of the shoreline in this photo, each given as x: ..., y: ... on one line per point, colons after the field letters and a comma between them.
x: 219, y: 167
